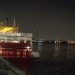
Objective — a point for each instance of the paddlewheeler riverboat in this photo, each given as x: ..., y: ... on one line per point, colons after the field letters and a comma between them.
x: 14, y: 45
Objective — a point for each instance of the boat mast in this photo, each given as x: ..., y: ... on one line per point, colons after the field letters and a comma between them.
x: 14, y: 25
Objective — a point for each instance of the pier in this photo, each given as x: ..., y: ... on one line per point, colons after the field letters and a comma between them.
x: 6, y: 68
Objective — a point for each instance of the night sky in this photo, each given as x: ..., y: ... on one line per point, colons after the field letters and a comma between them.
x: 44, y: 18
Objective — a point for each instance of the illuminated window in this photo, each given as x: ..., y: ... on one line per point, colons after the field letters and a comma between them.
x: 0, y: 51
x: 21, y: 41
x: 9, y: 40
x: 2, y: 40
x: 15, y: 41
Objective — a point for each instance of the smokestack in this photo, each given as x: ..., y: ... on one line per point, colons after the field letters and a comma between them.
x: 6, y: 20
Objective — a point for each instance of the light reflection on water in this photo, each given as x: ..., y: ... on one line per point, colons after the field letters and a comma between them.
x: 54, y: 60
x: 58, y: 51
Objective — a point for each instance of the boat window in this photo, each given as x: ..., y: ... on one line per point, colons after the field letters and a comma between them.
x: 15, y: 40
x: 28, y: 42
x: 21, y: 41
x: 2, y: 40
x: 9, y: 40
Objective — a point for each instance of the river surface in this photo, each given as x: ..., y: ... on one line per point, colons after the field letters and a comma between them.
x: 54, y: 59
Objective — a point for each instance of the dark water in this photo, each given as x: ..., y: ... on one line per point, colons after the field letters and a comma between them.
x: 54, y: 60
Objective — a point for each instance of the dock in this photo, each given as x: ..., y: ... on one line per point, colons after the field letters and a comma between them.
x: 7, y: 68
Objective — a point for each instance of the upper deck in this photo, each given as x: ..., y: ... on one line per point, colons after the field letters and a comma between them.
x: 11, y: 34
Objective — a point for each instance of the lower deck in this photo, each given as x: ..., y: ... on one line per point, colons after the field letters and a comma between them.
x: 15, y: 50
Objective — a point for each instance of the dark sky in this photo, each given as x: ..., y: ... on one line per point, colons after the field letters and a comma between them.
x: 46, y: 19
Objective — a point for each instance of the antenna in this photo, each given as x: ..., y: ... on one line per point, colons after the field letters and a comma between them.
x: 1, y: 23
x: 14, y: 22
x: 17, y: 28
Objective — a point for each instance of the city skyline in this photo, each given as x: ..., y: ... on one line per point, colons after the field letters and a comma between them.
x: 45, y: 19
